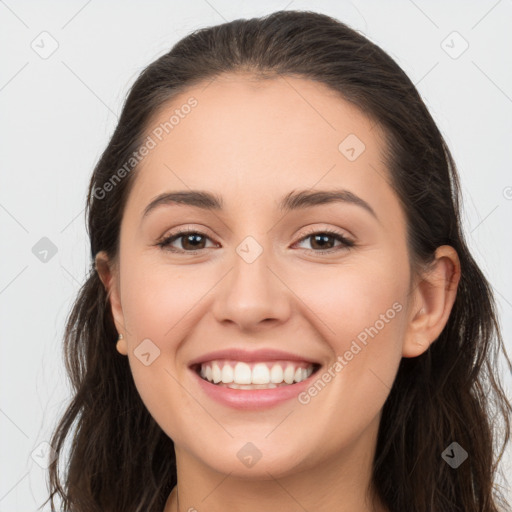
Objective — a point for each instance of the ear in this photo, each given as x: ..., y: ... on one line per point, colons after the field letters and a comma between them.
x: 109, y: 275
x: 433, y: 300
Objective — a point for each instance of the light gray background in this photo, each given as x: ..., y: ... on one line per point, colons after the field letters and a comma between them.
x: 58, y: 113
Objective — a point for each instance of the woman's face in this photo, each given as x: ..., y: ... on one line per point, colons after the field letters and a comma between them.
x: 261, y: 273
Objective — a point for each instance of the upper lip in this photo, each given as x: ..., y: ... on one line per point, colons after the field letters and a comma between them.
x: 238, y: 354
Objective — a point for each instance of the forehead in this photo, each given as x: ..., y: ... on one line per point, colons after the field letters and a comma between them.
x: 253, y: 140
x: 236, y: 116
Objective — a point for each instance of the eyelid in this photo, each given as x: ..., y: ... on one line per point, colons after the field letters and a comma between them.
x: 330, y: 230
x: 177, y: 233
x: 188, y: 228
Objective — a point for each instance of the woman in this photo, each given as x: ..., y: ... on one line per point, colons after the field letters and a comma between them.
x: 282, y: 312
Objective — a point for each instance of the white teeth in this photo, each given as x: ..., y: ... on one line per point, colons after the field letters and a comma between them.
x: 301, y: 374
x: 242, y: 373
x: 227, y: 374
x: 262, y: 375
x: 289, y: 374
x: 216, y: 373
x: 276, y: 374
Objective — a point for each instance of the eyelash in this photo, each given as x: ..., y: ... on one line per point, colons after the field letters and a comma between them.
x: 346, y: 243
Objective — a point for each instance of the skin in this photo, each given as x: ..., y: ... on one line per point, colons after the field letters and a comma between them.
x: 253, y: 142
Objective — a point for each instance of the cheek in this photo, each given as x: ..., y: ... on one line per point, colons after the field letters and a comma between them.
x: 361, y: 301
x: 157, y: 298
x: 158, y: 309
x: 361, y: 317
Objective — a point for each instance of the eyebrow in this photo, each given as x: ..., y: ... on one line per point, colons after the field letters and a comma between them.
x: 295, y: 200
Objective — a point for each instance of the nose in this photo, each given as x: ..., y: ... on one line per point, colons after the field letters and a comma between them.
x: 253, y: 296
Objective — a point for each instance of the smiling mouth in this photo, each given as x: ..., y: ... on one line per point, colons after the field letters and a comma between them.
x: 255, y: 375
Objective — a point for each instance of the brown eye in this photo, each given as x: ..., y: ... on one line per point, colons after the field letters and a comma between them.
x: 190, y: 241
x: 323, y: 241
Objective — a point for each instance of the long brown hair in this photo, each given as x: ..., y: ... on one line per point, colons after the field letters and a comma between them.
x: 121, y: 460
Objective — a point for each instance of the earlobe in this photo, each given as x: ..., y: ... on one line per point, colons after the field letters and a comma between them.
x: 108, y: 275
x: 121, y: 345
x: 433, y: 298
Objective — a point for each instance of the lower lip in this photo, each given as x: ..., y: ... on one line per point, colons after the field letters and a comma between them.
x: 253, y: 398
